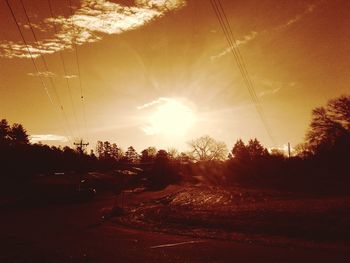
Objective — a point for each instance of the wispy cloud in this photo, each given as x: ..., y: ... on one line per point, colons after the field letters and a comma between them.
x: 269, y: 92
x: 70, y: 76
x: 48, y: 137
x: 253, y: 35
x: 88, y: 22
x: 309, y: 9
x: 43, y: 27
x: 247, y: 38
x: 154, y: 102
x: 47, y: 74
x: 272, y: 87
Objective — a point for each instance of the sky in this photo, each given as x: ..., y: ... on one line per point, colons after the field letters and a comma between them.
x: 159, y: 72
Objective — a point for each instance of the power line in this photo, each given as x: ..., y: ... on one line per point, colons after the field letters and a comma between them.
x: 31, y: 57
x: 30, y: 54
x: 82, y: 98
x: 247, y: 78
x: 227, y: 30
x: 240, y: 57
x: 232, y: 44
x: 240, y: 60
x: 64, y: 68
x: 47, y: 69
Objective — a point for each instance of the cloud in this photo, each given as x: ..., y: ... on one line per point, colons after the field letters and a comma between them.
x: 93, y: 18
x: 247, y: 38
x: 284, y: 149
x: 310, y: 9
x: 269, y: 92
x: 48, y: 137
x: 164, y: 5
x: 253, y: 35
x: 70, y: 76
x: 272, y: 87
x: 47, y: 74
x: 43, y: 27
x: 10, y: 49
x: 154, y: 102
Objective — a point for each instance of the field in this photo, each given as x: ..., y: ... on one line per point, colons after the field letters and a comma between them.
x: 48, y: 223
x: 248, y: 215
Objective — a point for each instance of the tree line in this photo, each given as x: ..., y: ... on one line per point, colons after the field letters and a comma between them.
x: 324, y: 154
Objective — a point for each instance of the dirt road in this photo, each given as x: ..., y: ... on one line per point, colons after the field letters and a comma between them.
x: 76, y: 233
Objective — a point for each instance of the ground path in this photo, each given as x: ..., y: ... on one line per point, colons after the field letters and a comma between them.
x: 76, y: 233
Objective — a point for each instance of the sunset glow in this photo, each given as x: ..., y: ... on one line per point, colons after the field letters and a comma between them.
x: 175, y: 131
x: 171, y: 118
x: 172, y: 56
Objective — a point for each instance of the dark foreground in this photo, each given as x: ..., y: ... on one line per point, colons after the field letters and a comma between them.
x: 76, y: 233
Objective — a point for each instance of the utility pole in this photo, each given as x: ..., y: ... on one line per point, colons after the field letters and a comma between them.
x: 81, y: 146
x: 288, y: 150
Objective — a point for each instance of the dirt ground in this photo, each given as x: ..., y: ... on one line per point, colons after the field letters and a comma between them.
x: 178, y: 224
x: 268, y: 217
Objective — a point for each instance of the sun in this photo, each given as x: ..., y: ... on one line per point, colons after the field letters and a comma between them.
x: 170, y: 117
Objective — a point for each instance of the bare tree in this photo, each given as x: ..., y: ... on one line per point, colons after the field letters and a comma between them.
x: 329, y: 123
x: 206, y: 148
x: 173, y: 153
x: 339, y: 110
x: 302, y: 150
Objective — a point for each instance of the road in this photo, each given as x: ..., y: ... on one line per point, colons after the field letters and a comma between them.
x: 76, y: 233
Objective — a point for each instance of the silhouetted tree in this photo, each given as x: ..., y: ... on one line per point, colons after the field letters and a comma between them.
x: 251, y: 151
x: 206, y: 148
x: 19, y: 158
x: 99, y: 149
x: 255, y: 149
x: 277, y: 153
x: 107, y: 150
x: 115, y: 152
x: 329, y: 124
x: 173, y: 153
x: 4, y: 132
x: 240, y: 151
x: 18, y: 134
x: 184, y: 157
x: 131, y: 155
x: 162, y: 172
x: 323, y: 130
x: 339, y: 111
x: 148, y: 154
x: 302, y: 150
x: 162, y: 156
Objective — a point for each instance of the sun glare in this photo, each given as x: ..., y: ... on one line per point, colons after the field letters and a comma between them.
x: 170, y: 117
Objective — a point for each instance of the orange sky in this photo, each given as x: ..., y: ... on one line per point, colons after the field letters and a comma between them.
x: 132, y: 53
